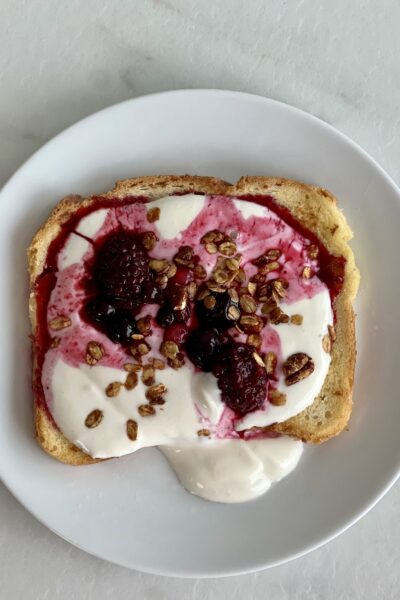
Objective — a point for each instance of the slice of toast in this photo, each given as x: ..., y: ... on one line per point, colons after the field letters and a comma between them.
x: 314, y: 208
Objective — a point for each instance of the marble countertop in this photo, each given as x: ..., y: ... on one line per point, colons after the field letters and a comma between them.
x: 60, y: 62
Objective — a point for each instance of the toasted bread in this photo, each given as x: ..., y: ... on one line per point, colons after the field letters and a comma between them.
x: 315, y: 209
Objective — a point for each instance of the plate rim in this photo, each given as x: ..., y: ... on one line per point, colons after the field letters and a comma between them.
x: 371, y: 503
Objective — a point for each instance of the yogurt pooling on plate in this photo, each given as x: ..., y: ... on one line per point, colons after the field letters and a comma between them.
x: 125, y: 371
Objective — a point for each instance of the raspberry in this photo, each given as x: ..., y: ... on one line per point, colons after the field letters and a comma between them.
x: 204, y: 347
x: 121, y: 269
x: 242, y: 381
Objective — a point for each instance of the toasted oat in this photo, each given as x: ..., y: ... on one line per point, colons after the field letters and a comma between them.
x: 232, y: 264
x: 203, y: 294
x: 157, y: 401
x: 153, y: 214
x: 156, y: 391
x: 172, y: 269
x: 241, y: 275
x: 184, y: 256
x: 277, y: 398
x: 297, y: 367
x: 234, y: 296
x: 211, y: 248
x: 158, y: 364
x: 94, y: 353
x: 307, y: 272
x: 278, y: 316
x: 169, y: 349
x: 176, y: 362
x: 313, y: 251
x: 132, y: 367
x: 296, y: 319
x: 252, y: 287
x: 203, y: 432
x: 212, y: 236
x: 233, y: 313
x: 254, y: 340
x: 149, y: 240
x: 270, y: 362
x: 60, y: 323
x: 215, y: 287
x: 131, y: 429
x: 273, y: 254
x: 268, y: 307
x: 271, y: 266
x: 227, y: 248
x: 220, y: 276
x: 279, y: 286
x: 251, y: 323
x: 146, y: 410
x: 139, y: 349
x: 332, y: 332
x: 148, y: 375
x: 159, y: 266
x: 192, y: 290
x: 94, y: 418
x: 137, y: 336
x: 327, y: 343
x: 258, y: 359
x: 113, y: 388
x: 209, y: 302
x: 162, y: 281
x: 131, y: 381
x: 247, y: 303
x: 199, y: 272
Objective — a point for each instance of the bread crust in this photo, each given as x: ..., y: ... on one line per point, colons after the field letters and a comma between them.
x: 313, y: 207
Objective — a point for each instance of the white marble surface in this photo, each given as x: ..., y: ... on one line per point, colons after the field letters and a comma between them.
x: 60, y: 61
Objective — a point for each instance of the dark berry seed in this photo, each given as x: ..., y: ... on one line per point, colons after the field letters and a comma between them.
x: 242, y: 381
x: 204, y: 347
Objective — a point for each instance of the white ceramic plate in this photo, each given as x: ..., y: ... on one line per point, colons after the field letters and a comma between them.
x: 132, y: 511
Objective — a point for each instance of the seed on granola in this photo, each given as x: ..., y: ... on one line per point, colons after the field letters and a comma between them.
x: 209, y: 302
x: 296, y: 319
x: 232, y: 264
x: 247, y: 303
x: 59, y: 323
x: 131, y: 429
x: 159, y: 266
x: 270, y: 362
x: 156, y: 391
x: 148, y: 375
x: 233, y: 295
x: 131, y: 381
x: 144, y: 325
x: 153, y: 214
x: 203, y: 432
x: 94, y: 418
x: 240, y: 275
x: 94, y: 353
x: 332, y: 332
x: 172, y: 269
x: 277, y: 316
x: 169, y: 349
x: 254, y: 340
x: 277, y: 398
x: 233, y: 313
x: 220, y: 276
x: 132, y: 367
x: 251, y: 323
x: 327, y: 343
x: 113, y: 388
x: 158, y: 364
x: 268, y: 307
x: 258, y: 359
x: 211, y: 248
x: 55, y: 342
x: 146, y: 410
x: 252, y: 287
x: 199, y: 272
x: 313, y: 251
x: 227, y: 248
x: 149, y: 240
x: 297, y: 367
x: 307, y: 273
